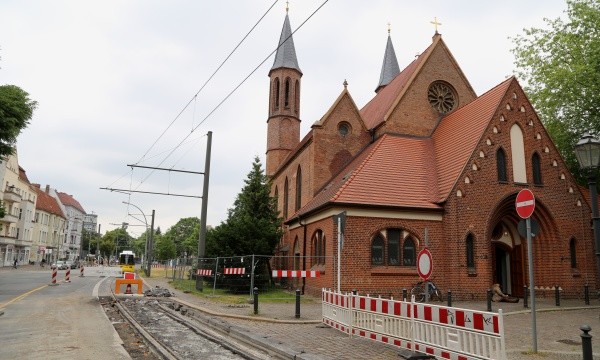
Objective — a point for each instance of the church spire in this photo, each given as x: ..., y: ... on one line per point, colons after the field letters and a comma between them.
x: 286, y: 52
x: 390, y: 68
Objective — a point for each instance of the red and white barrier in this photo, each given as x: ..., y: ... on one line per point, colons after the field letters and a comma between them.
x: 234, y: 271
x: 445, y: 332
x: 54, y: 273
x: 81, y: 271
x: 296, y: 274
x: 68, y: 276
x: 129, y: 275
x: 204, y: 272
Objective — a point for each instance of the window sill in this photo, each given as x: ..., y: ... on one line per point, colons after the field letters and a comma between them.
x: 394, y: 270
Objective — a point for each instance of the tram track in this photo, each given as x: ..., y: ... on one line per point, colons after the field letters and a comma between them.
x: 174, y: 332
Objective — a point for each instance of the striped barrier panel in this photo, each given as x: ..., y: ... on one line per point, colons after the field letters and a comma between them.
x: 234, y: 271
x: 444, y: 332
x: 204, y: 272
x: 296, y: 274
x: 458, y: 334
x: 336, y: 310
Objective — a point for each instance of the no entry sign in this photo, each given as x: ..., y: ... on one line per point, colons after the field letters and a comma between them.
x: 525, y: 203
x: 424, y: 264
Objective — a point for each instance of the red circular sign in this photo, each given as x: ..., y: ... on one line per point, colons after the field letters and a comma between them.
x: 525, y: 203
x: 424, y: 264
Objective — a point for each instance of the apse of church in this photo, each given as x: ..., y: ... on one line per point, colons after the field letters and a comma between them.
x: 425, y: 163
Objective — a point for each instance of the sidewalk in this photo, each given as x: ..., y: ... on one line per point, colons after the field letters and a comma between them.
x: 558, y: 328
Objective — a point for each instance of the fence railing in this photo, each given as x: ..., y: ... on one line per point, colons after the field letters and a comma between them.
x: 444, y: 332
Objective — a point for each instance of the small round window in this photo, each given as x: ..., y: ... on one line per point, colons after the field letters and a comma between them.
x: 441, y: 97
x: 344, y: 129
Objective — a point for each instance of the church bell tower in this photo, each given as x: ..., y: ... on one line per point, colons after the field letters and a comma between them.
x: 283, y: 124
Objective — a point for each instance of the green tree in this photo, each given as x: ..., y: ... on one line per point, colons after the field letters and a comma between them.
x: 165, y: 248
x: 253, y: 225
x: 182, y: 234
x: 89, y: 240
x: 16, y: 109
x: 561, y: 69
x: 115, y: 241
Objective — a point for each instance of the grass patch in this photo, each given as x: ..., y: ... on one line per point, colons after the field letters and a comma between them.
x: 273, y: 295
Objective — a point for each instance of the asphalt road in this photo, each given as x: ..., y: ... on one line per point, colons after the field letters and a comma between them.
x: 79, y: 328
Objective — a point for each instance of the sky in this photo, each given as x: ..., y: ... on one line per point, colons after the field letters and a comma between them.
x: 126, y: 82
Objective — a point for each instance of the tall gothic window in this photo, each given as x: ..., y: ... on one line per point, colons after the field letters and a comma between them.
x: 287, y: 93
x: 276, y: 196
x: 573, y: 253
x: 393, y: 247
x: 537, y: 169
x: 470, y: 245
x: 501, y: 165
x: 377, y: 251
x: 297, y: 97
x: 318, y: 248
x: 409, y: 252
x: 276, y: 94
x: 285, y: 198
x: 298, y: 188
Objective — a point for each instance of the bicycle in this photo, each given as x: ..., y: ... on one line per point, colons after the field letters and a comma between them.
x: 418, y: 291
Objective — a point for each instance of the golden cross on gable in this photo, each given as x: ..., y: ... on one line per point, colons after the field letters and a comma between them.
x: 389, y: 27
x: 435, y: 24
x: 287, y: 6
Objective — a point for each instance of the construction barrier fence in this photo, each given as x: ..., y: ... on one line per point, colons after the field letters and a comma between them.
x: 444, y: 332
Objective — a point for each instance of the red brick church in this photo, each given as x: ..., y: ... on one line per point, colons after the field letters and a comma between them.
x: 425, y: 163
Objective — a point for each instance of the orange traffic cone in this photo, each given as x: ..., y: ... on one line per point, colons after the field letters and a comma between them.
x: 128, y: 289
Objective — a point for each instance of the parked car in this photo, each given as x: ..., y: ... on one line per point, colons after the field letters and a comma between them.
x: 71, y: 264
x: 60, y: 265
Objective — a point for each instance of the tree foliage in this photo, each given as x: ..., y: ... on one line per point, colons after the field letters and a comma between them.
x: 184, y: 235
x: 561, y: 69
x: 165, y: 248
x: 16, y: 109
x: 253, y: 225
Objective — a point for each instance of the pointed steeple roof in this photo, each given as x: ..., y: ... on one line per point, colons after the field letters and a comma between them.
x: 286, y: 52
x: 390, y: 68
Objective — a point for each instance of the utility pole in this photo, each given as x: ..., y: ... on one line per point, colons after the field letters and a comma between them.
x: 202, y: 235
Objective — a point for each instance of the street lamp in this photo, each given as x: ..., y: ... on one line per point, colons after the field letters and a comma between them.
x: 148, y: 249
x: 587, y: 151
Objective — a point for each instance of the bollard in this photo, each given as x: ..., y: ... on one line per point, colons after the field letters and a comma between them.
x: 586, y: 342
x: 80, y: 270
x: 557, y: 295
x: 525, y: 296
x: 255, y: 292
x: 404, y: 294
x: 128, y: 289
x: 68, y: 276
x: 449, y: 297
x: 54, y: 271
x: 297, y: 303
x: 489, y: 299
x: 586, y: 294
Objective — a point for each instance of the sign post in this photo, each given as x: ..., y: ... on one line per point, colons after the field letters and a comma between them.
x: 525, y: 204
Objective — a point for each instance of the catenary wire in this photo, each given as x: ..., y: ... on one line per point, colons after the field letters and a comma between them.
x: 231, y: 93
x: 207, y: 81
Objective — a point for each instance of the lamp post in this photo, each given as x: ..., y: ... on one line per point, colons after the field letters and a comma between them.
x: 587, y: 151
x: 149, y: 237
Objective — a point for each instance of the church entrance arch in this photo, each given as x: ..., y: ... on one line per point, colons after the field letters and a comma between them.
x: 508, y: 248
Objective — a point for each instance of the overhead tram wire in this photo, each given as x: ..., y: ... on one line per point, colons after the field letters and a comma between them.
x: 207, y: 81
x: 233, y: 91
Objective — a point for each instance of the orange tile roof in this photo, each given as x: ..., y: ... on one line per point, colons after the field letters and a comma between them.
x: 68, y: 200
x: 47, y: 203
x: 397, y: 171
